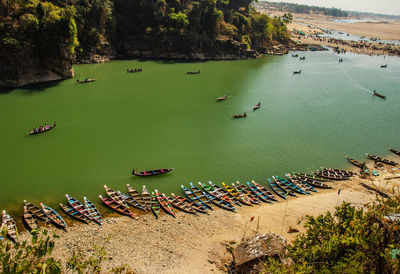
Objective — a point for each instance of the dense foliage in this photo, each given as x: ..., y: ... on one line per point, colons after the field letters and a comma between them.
x: 299, y: 8
x: 352, y: 240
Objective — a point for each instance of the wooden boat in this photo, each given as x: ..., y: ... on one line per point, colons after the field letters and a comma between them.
x: 237, y: 195
x: 290, y: 185
x: 134, y: 70
x: 301, y: 184
x: 380, y: 159
x: 384, y: 66
x: 72, y: 212
x: 303, y: 58
x: 111, y: 203
x: 9, y: 222
x: 189, y: 203
x: 297, y: 72
x: 355, y: 162
x: 340, y: 60
x: 36, y: 211
x: 257, y: 106
x: 275, y: 187
x: 197, y: 201
x: 115, y: 196
x: 214, y: 192
x: 93, y: 211
x: 312, y: 182
x: 247, y: 192
x: 295, y: 55
x: 383, y: 194
x: 222, y: 98
x: 262, y: 196
x: 317, y: 178
x: 379, y: 95
x: 87, y: 80
x: 155, y: 206
x: 162, y: 199
x: 339, y: 171
x: 265, y: 191
x: 136, y: 195
x: 42, y: 129
x: 146, y: 197
x: 54, y: 217
x: 219, y: 202
x: 29, y: 219
x: 130, y: 201
x: 201, y: 195
x: 78, y: 206
x: 151, y: 172
x: 284, y: 187
x: 193, y: 72
x: 331, y: 175
x: 397, y: 152
x: 235, y: 201
x: 181, y: 205
x: 240, y: 115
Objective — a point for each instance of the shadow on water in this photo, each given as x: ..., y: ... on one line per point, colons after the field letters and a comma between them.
x: 36, y: 87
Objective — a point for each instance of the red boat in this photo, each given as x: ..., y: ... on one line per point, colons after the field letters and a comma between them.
x: 162, y: 199
x: 42, y: 129
x: 117, y: 207
x: 240, y: 115
x: 151, y: 172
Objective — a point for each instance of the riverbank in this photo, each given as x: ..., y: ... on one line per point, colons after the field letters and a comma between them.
x: 201, y: 244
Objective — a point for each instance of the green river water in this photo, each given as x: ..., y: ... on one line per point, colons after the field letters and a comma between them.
x: 163, y: 117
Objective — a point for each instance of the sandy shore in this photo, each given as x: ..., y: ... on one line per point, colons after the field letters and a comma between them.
x: 199, y: 244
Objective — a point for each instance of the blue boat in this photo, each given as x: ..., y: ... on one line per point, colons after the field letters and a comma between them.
x: 53, y: 216
x: 304, y: 185
x: 264, y: 190
x: 263, y: 197
x: 72, y: 212
x: 219, y: 202
x: 131, y: 201
x: 190, y: 195
x: 290, y: 185
x: 93, y: 211
x: 200, y: 194
x: 279, y: 191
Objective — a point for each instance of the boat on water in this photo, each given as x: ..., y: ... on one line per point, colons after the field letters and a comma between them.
x: 36, y: 211
x: 53, y: 216
x: 295, y: 55
x: 297, y: 72
x: 219, y: 202
x: 284, y: 187
x: 340, y: 60
x: 29, y: 219
x: 192, y: 197
x: 189, y: 203
x: 93, y: 211
x: 214, y: 192
x: 146, y: 197
x: 247, y: 192
x: 240, y: 115
x: 312, y: 182
x: 257, y: 106
x: 115, y: 196
x: 42, y: 129
x: 134, y: 70
x: 265, y: 191
x: 151, y: 172
x: 181, y: 204
x: 87, y: 80
x: 355, y: 162
x: 261, y: 195
x: 380, y: 159
x: 117, y: 207
x: 397, y: 152
x: 331, y: 175
x: 312, y: 177
x: 162, y: 199
x: 72, y: 212
x: 339, y: 171
x: 291, y: 185
x: 379, y: 95
x: 238, y: 195
x: 384, y: 66
x: 193, y: 72
x: 136, y: 195
x: 201, y: 195
x: 8, y: 221
x: 300, y: 183
x: 234, y: 201
x: 131, y: 201
x: 155, y: 205
x: 222, y: 98
x: 78, y: 206
x: 277, y: 189
x: 302, y: 58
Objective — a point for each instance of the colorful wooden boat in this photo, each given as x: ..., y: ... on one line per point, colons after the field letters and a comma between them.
x: 146, y: 197
x: 355, y: 162
x: 380, y: 159
x: 222, y: 98
x: 87, y: 80
x: 284, y: 187
x: 290, y: 185
x: 312, y: 182
x: 111, y: 203
x: 53, y: 216
x: 276, y: 188
x: 180, y: 204
x: 78, y: 206
x: 338, y: 171
x: 29, y: 219
x: 193, y: 72
x: 239, y: 115
x: 196, y: 200
x: 331, y: 175
x: 219, y: 202
x: 257, y: 106
x: 237, y: 195
x: 93, y: 211
x: 162, y: 199
x: 266, y: 192
x: 317, y: 178
x: 247, y: 192
x: 36, y: 211
x: 214, y: 192
x: 189, y: 203
x: 43, y: 129
x: 115, y: 196
x: 383, y: 194
x: 136, y: 195
x: 155, y: 206
x: 235, y: 201
x: 397, y: 152
x: 72, y: 212
x: 132, y: 202
x: 151, y: 172
x: 262, y: 196
x: 200, y: 194
x: 300, y: 183
x: 9, y: 222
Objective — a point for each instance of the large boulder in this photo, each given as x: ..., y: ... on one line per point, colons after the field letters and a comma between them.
x: 250, y: 253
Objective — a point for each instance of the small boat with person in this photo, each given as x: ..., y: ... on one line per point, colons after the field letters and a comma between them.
x: 222, y: 98
x: 239, y: 115
x: 257, y: 106
x: 29, y: 219
x: 355, y: 162
x: 134, y: 70
x: 151, y: 172
x: 87, y: 80
x: 193, y: 72
x: 8, y: 221
x: 302, y: 58
x: 379, y: 95
x: 297, y: 72
x: 42, y: 129
x: 53, y: 216
x: 380, y: 159
x: 384, y: 66
x: 117, y: 207
x: 93, y: 211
